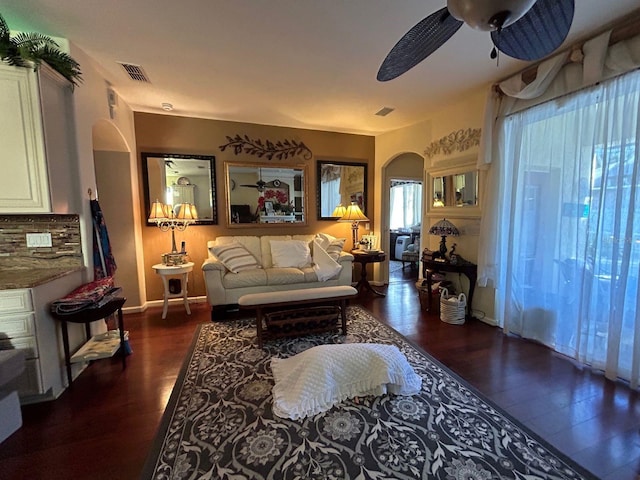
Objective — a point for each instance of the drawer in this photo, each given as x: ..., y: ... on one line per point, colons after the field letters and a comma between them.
x: 17, y: 300
x: 18, y: 325
x: 29, y: 383
x: 28, y: 344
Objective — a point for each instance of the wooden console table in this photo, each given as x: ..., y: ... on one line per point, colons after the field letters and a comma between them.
x: 87, y: 316
x: 470, y: 270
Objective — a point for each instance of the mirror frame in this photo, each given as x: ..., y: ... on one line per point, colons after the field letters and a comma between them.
x: 319, y: 165
x: 265, y: 166
x: 455, y: 167
x: 180, y: 156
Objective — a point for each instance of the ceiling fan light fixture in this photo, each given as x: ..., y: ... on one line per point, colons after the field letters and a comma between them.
x: 489, y: 15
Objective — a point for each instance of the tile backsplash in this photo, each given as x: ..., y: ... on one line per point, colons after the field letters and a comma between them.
x: 65, y: 250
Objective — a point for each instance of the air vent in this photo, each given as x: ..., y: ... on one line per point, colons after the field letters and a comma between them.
x: 384, y: 111
x: 135, y: 72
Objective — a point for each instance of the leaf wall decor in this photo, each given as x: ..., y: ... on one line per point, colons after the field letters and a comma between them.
x: 280, y: 150
x: 458, y: 141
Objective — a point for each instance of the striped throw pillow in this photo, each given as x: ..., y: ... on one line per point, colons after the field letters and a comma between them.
x: 235, y: 257
x: 335, y: 247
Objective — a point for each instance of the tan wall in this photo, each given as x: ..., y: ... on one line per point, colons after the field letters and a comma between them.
x: 467, y: 113
x: 114, y: 190
x: 172, y: 134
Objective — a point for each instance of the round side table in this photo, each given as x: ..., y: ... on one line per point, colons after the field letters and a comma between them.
x: 182, y: 271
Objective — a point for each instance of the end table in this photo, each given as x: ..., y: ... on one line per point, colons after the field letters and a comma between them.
x: 181, y: 271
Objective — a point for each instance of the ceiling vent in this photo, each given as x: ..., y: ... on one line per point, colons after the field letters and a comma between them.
x: 135, y: 72
x: 384, y: 111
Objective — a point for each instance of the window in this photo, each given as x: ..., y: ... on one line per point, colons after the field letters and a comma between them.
x: 406, y: 204
x: 569, y: 221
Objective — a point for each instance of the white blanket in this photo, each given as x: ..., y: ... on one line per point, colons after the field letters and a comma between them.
x: 324, y: 266
x: 315, y: 380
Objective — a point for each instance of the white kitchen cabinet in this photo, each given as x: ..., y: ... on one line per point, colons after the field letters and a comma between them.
x: 37, y: 135
x: 26, y: 324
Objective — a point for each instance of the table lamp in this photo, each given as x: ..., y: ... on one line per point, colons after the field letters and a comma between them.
x: 444, y: 228
x: 339, y: 211
x: 165, y: 218
x: 354, y: 214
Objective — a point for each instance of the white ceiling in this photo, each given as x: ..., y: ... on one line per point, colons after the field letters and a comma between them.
x: 297, y: 63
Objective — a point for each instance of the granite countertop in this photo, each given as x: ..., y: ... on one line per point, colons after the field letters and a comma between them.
x: 31, y: 277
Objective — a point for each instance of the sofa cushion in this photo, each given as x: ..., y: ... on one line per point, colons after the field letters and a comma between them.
x: 290, y: 253
x: 246, y: 278
x: 284, y: 276
x: 235, y: 257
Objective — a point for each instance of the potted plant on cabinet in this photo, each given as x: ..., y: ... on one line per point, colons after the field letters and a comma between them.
x: 31, y: 49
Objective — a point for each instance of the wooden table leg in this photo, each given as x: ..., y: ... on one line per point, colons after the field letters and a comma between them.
x: 259, y: 326
x: 165, y: 306
x: 65, y: 345
x: 185, y: 280
x: 123, y: 349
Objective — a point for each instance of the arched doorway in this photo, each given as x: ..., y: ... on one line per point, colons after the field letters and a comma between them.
x: 112, y: 163
x: 405, y: 168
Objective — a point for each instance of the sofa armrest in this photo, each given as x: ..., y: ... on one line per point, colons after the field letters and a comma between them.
x: 212, y: 263
x: 345, y: 257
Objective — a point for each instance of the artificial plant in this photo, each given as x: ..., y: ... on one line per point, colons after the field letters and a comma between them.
x: 31, y: 49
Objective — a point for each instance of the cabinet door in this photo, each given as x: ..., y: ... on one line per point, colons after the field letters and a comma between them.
x: 24, y: 186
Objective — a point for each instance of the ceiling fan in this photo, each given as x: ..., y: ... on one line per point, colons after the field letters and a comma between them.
x: 259, y: 185
x: 523, y: 29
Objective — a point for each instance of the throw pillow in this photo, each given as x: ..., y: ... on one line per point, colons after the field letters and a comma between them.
x: 324, y: 266
x: 235, y: 257
x: 290, y: 253
x: 335, y: 247
x: 320, y: 377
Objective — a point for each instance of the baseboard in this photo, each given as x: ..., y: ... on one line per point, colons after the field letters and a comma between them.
x: 160, y: 303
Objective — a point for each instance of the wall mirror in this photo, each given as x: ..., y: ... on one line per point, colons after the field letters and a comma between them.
x: 340, y: 183
x: 266, y: 195
x: 454, y: 190
x: 174, y: 179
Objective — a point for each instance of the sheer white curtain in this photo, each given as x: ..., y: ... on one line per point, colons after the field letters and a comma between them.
x: 406, y: 205
x: 567, y: 175
x: 330, y: 196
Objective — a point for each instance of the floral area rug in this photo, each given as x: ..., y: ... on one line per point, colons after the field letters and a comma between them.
x: 219, y: 422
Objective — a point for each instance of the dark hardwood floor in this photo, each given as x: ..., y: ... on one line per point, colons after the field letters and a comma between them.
x: 103, y: 426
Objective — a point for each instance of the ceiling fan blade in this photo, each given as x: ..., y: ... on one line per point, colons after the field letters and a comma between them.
x: 541, y: 31
x: 418, y: 43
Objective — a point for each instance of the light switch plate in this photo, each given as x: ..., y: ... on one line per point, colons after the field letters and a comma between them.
x: 35, y: 240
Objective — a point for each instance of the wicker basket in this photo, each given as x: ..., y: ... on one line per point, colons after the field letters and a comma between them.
x: 452, y: 309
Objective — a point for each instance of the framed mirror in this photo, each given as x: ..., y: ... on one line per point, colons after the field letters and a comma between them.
x: 174, y: 179
x: 266, y: 194
x: 340, y: 183
x: 454, y: 190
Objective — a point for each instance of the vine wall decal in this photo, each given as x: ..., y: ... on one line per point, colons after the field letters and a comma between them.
x: 454, y: 142
x: 280, y: 150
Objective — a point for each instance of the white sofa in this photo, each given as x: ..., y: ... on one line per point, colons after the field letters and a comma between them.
x: 225, y: 287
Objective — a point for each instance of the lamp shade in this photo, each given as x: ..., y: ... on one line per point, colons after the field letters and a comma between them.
x: 444, y: 228
x: 158, y: 211
x: 187, y: 211
x: 353, y: 214
x: 339, y: 211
